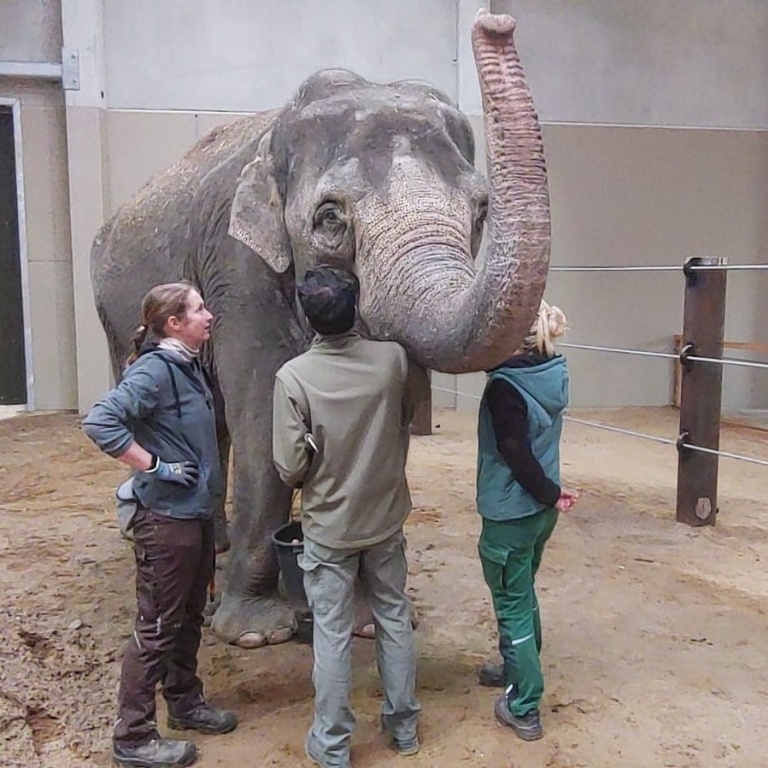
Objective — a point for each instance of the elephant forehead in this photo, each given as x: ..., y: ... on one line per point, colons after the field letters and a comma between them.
x: 362, y: 104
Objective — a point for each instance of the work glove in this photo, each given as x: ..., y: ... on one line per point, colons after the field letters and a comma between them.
x: 183, y: 473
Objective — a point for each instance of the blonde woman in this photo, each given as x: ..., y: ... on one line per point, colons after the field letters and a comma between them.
x: 519, y: 497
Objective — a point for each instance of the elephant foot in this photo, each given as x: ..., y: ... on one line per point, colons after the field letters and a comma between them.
x: 366, y: 631
x: 253, y: 622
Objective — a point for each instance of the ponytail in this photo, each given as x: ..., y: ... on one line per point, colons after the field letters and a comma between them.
x: 138, y: 338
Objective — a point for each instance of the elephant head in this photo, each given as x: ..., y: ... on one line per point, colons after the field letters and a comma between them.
x: 381, y: 178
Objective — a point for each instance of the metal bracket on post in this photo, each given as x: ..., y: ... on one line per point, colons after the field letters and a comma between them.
x: 700, y: 390
x: 687, y: 351
x: 682, y: 444
x: 689, y: 271
x: 70, y: 69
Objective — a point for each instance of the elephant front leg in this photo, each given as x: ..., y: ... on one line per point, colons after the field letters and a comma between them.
x: 251, y: 613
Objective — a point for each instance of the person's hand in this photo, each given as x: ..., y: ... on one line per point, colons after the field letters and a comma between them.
x: 566, y: 501
x: 183, y: 473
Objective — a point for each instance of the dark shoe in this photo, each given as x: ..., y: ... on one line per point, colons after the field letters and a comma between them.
x: 204, y: 719
x: 527, y: 726
x: 491, y: 675
x: 158, y: 753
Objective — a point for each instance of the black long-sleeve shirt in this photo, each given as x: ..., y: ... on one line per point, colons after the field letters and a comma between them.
x: 509, y: 416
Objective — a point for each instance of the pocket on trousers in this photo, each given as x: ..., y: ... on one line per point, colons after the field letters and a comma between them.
x: 319, y: 596
x: 493, y: 560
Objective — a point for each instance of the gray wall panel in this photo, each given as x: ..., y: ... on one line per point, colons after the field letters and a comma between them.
x: 245, y: 56
x: 30, y: 30
x: 657, y: 62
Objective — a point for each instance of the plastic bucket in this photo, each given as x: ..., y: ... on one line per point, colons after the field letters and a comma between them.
x: 288, y: 560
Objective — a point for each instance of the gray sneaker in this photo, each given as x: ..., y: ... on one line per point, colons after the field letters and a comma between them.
x: 158, y: 753
x: 405, y: 747
x: 314, y: 755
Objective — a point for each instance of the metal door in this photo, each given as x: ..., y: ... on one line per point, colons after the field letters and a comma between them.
x: 13, y: 374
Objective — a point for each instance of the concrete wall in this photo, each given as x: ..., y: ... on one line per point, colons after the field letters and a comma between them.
x: 235, y: 55
x: 631, y: 93
x: 30, y: 30
x: 680, y: 63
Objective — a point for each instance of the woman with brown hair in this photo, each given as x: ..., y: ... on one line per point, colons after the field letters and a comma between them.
x: 159, y: 420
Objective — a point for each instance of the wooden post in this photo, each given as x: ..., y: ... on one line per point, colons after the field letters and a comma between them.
x: 422, y: 416
x: 700, y: 391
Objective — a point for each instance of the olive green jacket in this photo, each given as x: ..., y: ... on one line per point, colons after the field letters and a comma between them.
x: 350, y: 394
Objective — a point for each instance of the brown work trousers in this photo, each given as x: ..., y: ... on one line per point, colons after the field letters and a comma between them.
x: 174, y: 566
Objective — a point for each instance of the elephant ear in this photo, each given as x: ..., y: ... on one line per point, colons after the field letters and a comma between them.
x: 257, y: 217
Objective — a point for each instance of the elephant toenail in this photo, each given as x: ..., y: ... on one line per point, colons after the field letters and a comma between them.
x: 251, y: 640
x: 367, y: 632
x: 281, y: 636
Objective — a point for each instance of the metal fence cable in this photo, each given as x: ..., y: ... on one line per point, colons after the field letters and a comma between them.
x: 726, y: 361
x: 621, y: 431
x: 662, y: 268
x: 631, y: 433
x: 727, y: 267
x: 621, y: 351
x: 667, y: 355
x: 727, y: 455
x: 646, y: 268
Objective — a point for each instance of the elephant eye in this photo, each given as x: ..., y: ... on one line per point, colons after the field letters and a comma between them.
x: 482, y: 214
x: 328, y: 218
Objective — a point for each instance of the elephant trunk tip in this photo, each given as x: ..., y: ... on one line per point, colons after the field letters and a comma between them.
x: 495, y: 23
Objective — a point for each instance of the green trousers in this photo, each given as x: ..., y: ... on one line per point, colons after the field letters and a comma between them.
x: 510, y: 553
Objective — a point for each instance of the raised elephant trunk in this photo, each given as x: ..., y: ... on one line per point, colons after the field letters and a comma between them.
x: 453, y: 317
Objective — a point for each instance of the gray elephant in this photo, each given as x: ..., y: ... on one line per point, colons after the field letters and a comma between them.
x: 379, y: 178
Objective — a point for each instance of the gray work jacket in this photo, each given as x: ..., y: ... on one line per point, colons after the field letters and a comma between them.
x: 165, y: 405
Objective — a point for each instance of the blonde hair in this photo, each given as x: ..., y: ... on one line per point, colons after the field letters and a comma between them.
x: 159, y: 304
x: 550, y: 324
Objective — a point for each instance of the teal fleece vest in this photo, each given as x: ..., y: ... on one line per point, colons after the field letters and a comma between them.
x: 545, y: 390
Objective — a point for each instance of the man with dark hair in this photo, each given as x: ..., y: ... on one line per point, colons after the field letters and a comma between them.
x: 341, y: 430
x: 328, y: 296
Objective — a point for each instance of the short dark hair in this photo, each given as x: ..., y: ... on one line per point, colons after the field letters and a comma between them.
x: 328, y: 296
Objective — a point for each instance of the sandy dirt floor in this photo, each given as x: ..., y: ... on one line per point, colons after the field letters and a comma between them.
x: 655, y: 633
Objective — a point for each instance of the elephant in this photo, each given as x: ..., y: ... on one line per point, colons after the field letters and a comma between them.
x: 378, y: 178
